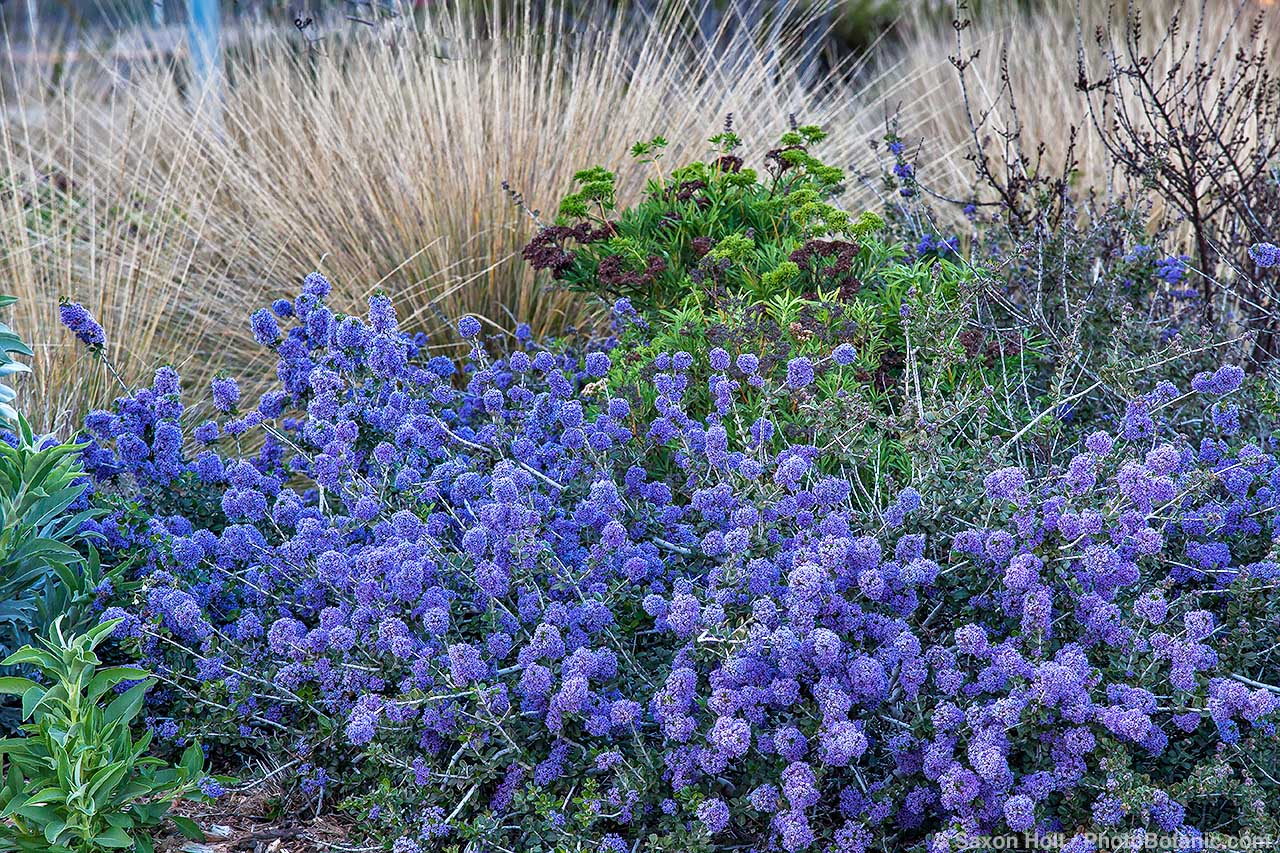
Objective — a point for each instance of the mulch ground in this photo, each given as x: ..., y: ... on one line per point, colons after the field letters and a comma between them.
x: 239, y: 823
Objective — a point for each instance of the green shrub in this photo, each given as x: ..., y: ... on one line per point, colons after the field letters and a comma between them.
x: 720, y: 256
x: 78, y: 780
x: 709, y: 227
x: 43, y: 511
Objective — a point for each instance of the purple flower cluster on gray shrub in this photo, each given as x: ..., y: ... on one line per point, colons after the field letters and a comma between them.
x: 485, y: 589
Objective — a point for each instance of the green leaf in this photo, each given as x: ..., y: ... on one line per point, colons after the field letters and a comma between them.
x: 56, y: 503
x: 31, y: 655
x: 101, y: 631
x: 104, y: 783
x: 48, y: 795
x: 111, y: 676
x: 53, y: 830
x: 126, y: 706
x: 115, y: 838
x: 24, y: 430
x: 14, y: 345
x: 193, y: 760
x: 12, y: 367
x: 15, y: 686
x: 40, y: 814
x: 188, y: 827
x: 151, y: 813
x: 31, y: 700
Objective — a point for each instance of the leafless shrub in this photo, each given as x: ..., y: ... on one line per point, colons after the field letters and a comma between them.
x: 1194, y: 117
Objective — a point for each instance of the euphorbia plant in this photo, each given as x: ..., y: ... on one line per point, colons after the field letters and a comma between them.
x: 709, y: 226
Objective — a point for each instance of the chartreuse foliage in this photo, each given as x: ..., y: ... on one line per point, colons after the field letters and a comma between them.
x: 720, y: 256
x: 78, y: 780
x: 710, y: 226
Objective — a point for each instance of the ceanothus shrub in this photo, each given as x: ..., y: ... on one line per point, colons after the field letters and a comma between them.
x: 459, y: 597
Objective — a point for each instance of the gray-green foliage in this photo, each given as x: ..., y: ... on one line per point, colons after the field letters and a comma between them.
x: 78, y: 780
x: 47, y: 570
x: 10, y: 343
x: 42, y: 575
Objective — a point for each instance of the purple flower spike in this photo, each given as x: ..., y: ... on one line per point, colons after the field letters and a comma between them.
x: 78, y: 319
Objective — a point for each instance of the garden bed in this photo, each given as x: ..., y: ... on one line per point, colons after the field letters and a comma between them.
x: 239, y: 822
x: 740, y: 513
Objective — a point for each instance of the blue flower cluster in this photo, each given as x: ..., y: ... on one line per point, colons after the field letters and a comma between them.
x: 938, y: 245
x: 1265, y: 255
x: 1172, y: 269
x: 469, y: 572
x: 86, y: 329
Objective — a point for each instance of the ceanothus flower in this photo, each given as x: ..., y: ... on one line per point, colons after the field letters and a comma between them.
x: 799, y: 373
x: 465, y: 664
x: 1222, y: 381
x: 266, y: 330
x: 844, y: 355
x: 714, y: 815
x: 1020, y: 812
x: 842, y: 743
x: 226, y: 393
x: 731, y: 735
x: 469, y: 327
x: 1008, y: 484
x: 81, y: 323
x: 1265, y: 255
x: 597, y: 364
